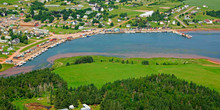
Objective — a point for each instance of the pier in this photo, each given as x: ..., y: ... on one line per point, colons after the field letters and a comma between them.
x: 54, y: 40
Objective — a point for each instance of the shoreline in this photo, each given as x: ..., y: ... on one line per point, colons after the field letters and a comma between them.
x: 23, y: 70
x: 171, y: 30
x: 197, y: 29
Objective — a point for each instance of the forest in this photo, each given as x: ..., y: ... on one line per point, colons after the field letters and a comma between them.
x: 160, y: 91
x: 34, y: 84
x: 213, y: 13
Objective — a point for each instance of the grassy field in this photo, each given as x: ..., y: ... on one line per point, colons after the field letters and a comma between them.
x: 6, y: 66
x: 199, y: 71
x: 212, y: 4
x: 20, y: 103
x: 8, y: 1
x: 60, y: 30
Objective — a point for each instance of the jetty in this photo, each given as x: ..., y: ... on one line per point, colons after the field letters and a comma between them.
x: 54, y: 40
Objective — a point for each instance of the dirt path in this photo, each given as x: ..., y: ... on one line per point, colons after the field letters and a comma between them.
x: 176, y: 17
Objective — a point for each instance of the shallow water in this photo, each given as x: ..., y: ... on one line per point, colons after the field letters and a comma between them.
x: 202, y: 45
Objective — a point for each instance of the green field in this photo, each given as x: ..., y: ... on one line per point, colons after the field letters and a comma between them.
x: 199, y: 71
x: 8, y: 1
x: 6, y: 66
x: 212, y: 4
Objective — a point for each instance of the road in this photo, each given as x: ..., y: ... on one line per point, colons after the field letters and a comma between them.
x: 18, y: 51
x: 176, y: 17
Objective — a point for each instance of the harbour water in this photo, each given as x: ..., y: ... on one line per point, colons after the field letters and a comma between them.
x: 203, y: 44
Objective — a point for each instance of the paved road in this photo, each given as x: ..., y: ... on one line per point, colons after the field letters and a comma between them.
x: 176, y: 17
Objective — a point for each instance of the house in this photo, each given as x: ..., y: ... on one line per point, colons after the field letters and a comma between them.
x: 95, y: 8
x: 217, y: 21
x: 128, y: 25
x: 174, y: 22
x: 71, y: 107
x: 186, y: 18
x: 119, y: 20
x: 117, y: 0
x: 85, y: 107
x: 161, y: 23
x: 5, y: 3
x: 204, y: 6
x: 15, y: 41
x: 207, y: 21
x: 198, y: 8
x: 3, y: 41
x: 194, y: 11
x: 88, y: 12
x: 191, y: 22
x: 5, y: 53
x: 1, y: 49
x: 78, y: 16
x: 81, y: 27
x: 110, y: 9
x: 101, y: 9
x: 10, y: 48
x: 85, y: 16
x: 9, y: 61
x: 147, y: 14
x: 200, y: 22
x: 7, y: 37
x: 52, y: 5
x: 92, y: 4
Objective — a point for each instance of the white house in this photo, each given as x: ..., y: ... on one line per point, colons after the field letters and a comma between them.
x: 71, y: 107
x: 161, y: 22
x: 147, y: 14
x: 128, y: 25
x: 85, y: 107
x: 81, y: 27
x: 5, y: 3
x: 174, y: 22
x: 110, y: 9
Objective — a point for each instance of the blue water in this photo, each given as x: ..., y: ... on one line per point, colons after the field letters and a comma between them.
x: 203, y: 44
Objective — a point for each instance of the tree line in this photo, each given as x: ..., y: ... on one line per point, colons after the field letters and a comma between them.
x: 34, y: 84
x: 160, y: 91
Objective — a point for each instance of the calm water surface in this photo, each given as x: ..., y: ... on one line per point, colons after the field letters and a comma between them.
x: 205, y: 44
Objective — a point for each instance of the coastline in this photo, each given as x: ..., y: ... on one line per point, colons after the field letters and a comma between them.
x: 212, y: 60
x: 19, y: 70
x: 197, y: 29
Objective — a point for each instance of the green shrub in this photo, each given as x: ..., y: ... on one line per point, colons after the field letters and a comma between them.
x: 85, y: 59
x: 145, y: 62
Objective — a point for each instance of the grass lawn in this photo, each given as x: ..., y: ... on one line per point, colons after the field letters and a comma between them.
x: 8, y: 1
x: 6, y: 66
x: 199, y: 71
x: 28, y: 47
x: 21, y: 102
x: 60, y: 30
x: 212, y: 4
